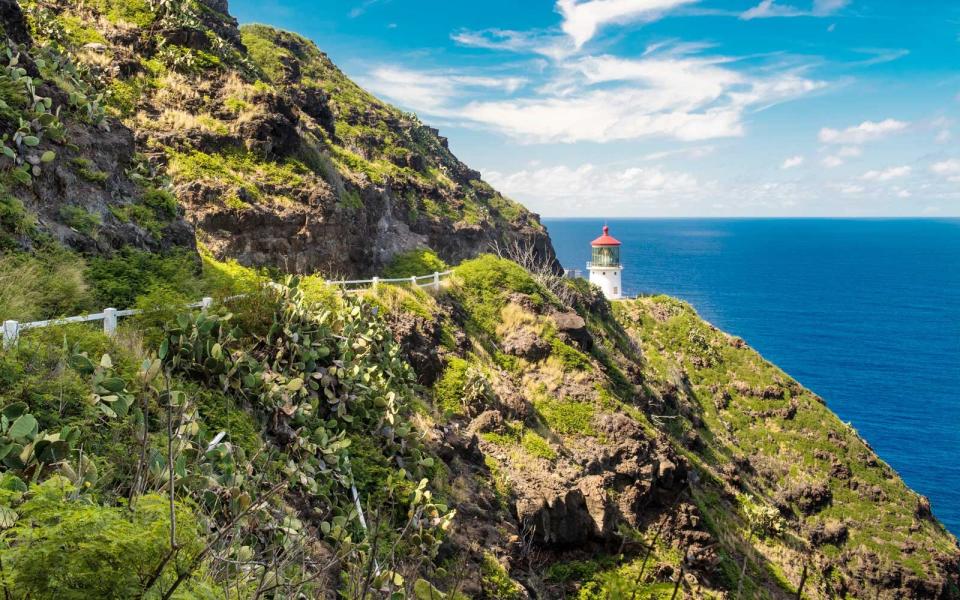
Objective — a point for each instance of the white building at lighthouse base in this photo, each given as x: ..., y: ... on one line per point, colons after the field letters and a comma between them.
x: 608, y: 280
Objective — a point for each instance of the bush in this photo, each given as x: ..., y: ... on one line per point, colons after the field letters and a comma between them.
x: 485, y: 283
x: 414, y: 262
x: 42, y: 286
x: 79, y: 218
x: 118, y: 280
x: 496, y: 582
x: 69, y: 548
x: 449, y: 389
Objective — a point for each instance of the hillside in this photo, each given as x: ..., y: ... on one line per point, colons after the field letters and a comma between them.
x: 490, y: 441
x: 165, y: 115
x: 510, y: 435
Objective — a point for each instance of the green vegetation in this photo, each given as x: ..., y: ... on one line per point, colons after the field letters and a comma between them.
x: 567, y: 416
x: 495, y: 580
x: 241, y: 172
x: 85, y: 169
x: 101, y: 550
x: 80, y: 219
x: 535, y: 445
x: 136, y: 12
x: 414, y: 263
x: 43, y: 285
x: 484, y: 283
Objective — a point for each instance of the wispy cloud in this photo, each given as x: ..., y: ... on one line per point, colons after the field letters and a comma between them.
x: 792, y: 162
x: 431, y: 92
x: 887, y: 174
x: 562, y: 189
x: 365, y: 5
x: 551, y: 44
x: 582, y: 19
x: 867, y: 131
x: 879, y: 56
x: 949, y: 169
x: 767, y: 9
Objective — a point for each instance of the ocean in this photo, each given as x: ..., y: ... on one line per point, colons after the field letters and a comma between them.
x: 865, y: 312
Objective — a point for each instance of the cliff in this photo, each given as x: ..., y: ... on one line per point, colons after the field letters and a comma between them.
x: 511, y: 435
x: 507, y: 437
x: 165, y: 116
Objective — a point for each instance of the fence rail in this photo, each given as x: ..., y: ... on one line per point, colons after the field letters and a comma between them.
x: 109, y: 316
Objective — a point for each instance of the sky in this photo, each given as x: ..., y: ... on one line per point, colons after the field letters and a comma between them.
x: 652, y: 108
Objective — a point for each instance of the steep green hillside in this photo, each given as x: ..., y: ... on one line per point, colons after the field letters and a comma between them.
x: 510, y: 436
x: 274, y: 155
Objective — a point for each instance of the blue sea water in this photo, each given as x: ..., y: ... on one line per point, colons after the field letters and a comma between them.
x: 864, y: 312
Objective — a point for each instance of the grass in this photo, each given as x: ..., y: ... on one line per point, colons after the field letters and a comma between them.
x: 241, y: 170
x: 414, y: 262
x: 564, y: 416
x: 136, y: 12
x: 78, y: 218
x: 87, y: 170
x: 535, y: 445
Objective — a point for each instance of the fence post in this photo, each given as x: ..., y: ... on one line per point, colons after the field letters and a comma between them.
x: 206, y: 303
x: 109, y: 321
x: 436, y: 281
x: 375, y: 282
x: 413, y: 281
x: 11, y: 331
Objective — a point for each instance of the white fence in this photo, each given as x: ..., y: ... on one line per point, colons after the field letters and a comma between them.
x: 109, y: 316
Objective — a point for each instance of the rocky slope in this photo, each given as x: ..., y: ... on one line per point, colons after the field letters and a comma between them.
x: 272, y: 153
x: 505, y: 438
x: 510, y: 436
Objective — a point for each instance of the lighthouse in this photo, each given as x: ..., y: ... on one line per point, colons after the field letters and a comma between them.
x: 604, y: 266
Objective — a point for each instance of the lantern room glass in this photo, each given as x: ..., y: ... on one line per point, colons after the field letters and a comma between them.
x: 606, y: 256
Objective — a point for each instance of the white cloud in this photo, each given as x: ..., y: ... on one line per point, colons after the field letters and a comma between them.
x: 582, y: 20
x: 849, y: 152
x: 887, y: 174
x: 902, y: 193
x: 692, y: 152
x: 831, y: 162
x: 550, y: 44
x: 769, y: 8
x: 431, y: 92
x: 867, y: 131
x: 849, y: 189
x: 793, y: 161
x: 950, y: 169
x: 562, y: 189
x: 686, y: 98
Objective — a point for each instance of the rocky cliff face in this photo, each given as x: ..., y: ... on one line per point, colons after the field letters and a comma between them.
x: 274, y: 155
x: 601, y: 450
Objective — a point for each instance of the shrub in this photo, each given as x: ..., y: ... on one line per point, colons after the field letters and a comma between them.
x: 448, y: 391
x: 496, y: 582
x: 415, y: 262
x: 118, y: 280
x: 41, y: 286
x: 74, y: 549
x: 537, y: 446
x: 78, y: 218
x: 485, y: 283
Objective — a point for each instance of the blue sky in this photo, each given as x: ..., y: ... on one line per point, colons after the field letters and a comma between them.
x: 612, y: 108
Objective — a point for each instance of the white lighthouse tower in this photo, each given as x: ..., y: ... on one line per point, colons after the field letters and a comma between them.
x: 604, y: 266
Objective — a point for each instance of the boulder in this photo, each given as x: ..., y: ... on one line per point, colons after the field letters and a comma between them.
x: 526, y: 344
x: 573, y: 327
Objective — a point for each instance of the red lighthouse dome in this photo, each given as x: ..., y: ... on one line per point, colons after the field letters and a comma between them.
x: 606, y: 239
